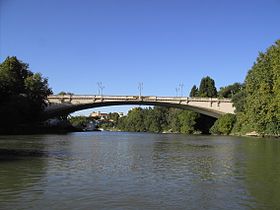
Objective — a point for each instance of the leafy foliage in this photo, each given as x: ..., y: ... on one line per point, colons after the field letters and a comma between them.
x: 79, y: 122
x: 22, y: 93
x: 37, y: 89
x: 224, y: 124
x: 12, y: 76
x: 230, y: 90
x: 207, y: 87
x: 114, y: 116
x: 257, y: 101
x: 262, y: 89
x: 187, y: 120
x: 194, y: 91
x: 159, y: 119
x: 62, y: 93
x: 239, y: 100
x: 134, y: 121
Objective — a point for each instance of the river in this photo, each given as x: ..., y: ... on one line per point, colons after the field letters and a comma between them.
x: 118, y: 170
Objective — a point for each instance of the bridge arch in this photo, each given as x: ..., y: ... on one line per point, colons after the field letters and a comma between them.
x: 63, y: 105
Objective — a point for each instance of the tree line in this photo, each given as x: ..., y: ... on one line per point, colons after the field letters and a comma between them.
x: 159, y: 119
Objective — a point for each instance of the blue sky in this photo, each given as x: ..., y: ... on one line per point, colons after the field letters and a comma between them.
x: 77, y: 43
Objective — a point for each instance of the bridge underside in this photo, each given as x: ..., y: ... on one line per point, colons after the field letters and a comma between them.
x: 56, y: 110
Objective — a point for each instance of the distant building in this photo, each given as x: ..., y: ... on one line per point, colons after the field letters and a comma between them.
x: 105, y: 116
x: 100, y: 115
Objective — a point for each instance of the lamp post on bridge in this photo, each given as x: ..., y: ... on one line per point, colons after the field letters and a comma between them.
x: 100, y: 88
x: 140, y: 88
x: 181, y: 86
x: 98, y: 84
x: 177, y: 90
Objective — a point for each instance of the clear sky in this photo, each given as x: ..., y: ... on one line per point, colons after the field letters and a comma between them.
x: 77, y: 43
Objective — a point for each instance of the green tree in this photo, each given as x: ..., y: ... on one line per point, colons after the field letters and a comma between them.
x: 12, y: 76
x: 37, y: 89
x: 62, y: 93
x: 230, y: 90
x: 160, y: 116
x: 114, y: 116
x: 79, y: 121
x: 194, y: 91
x: 207, y: 87
x: 224, y: 124
x: 22, y: 93
x: 242, y: 124
x: 173, y: 120
x: 135, y: 120
x: 239, y: 100
x: 151, y: 121
x: 187, y: 121
x: 262, y: 88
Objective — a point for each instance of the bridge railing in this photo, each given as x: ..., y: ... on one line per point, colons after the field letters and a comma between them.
x: 134, y: 97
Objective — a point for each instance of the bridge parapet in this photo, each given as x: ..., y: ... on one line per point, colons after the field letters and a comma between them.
x: 69, y: 98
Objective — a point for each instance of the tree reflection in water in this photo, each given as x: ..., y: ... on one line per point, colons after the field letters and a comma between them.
x: 262, y: 172
x: 22, y: 166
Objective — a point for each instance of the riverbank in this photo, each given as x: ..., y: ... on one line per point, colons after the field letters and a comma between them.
x: 250, y: 134
x: 37, y: 128
x: 63, y: 128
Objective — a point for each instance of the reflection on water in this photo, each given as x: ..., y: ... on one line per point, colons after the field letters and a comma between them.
x: 21, y: 168
x: 263, y: 172
x: 108, y: 170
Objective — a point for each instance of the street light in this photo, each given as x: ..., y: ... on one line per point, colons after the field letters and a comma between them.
x: 140, y: 88
x: 177, y: 90
x: 181, y: 86
x: 100, y: 88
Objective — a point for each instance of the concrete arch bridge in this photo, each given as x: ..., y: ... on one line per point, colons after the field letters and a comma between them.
x: 65, y: 104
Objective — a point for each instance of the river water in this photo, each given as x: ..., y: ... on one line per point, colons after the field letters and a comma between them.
x: 117, y: 170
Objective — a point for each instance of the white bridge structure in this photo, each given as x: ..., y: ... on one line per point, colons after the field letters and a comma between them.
x: 66, y: 104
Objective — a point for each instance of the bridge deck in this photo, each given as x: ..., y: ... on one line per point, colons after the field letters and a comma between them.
x: 132, y: 98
